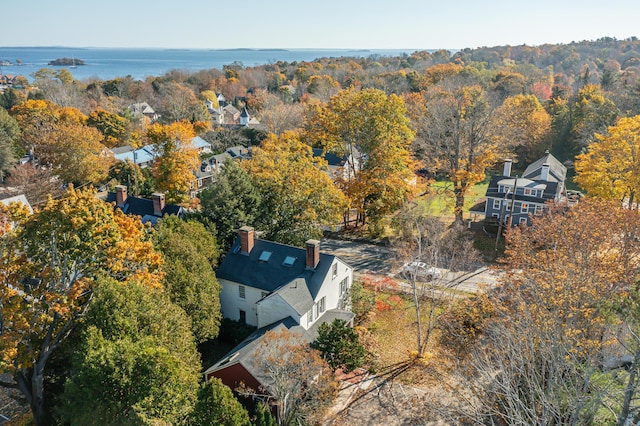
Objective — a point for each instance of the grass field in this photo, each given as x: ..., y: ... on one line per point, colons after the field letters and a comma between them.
x: 440, y: 201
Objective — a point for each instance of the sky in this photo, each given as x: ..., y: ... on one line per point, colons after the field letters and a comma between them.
x: 331, y: 24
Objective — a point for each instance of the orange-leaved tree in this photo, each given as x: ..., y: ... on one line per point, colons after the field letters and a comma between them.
x: 177, y: 160
x: 371, y: 131
x: 610, y: 168
x: 48, y: 264
x: 298, y: 194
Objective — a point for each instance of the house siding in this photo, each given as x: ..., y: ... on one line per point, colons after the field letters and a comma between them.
x: 231, y: 303
x: 233, y: 375
x: 330, y: 290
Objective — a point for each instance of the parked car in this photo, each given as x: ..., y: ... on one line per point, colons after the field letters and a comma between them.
x: 421, y: 270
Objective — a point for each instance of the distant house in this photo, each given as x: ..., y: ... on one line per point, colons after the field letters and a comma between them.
x: 149, y: 210
x: 143, y: 109
x: 541, y: 182
x: 340, y: 166
x: 270, y: 286
x: 145, y: 156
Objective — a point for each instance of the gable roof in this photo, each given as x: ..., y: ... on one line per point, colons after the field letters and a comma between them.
x: 143, y: 207
x: 249, y: 270
x: 557, y: 171
x: 296, y: 294
x: 245, y: 352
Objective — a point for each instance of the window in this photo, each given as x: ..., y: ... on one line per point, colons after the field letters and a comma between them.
x: 508, y: 206
x: 310, y: 316
x: 344, y: 286
x: 527, y: 191
x: 496, y: 203
x: 524, y: 208
x: 334, y: 270
x: 538, y: 210
x: 321, y: 305
x: 289, y: 261
x: 243, y: 316
x: 496, y: 215
x: 516, y: 206
x: 264, y: 256
x: 242, y: 292
x: 500, y: 188
x: 523, y: 220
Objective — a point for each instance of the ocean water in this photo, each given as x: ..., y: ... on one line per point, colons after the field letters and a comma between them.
x: 105, y: 64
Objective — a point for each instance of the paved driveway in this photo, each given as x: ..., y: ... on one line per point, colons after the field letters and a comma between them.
x: 380, y: 260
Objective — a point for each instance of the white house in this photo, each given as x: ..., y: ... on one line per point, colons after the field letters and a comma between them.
x: 264, y: 282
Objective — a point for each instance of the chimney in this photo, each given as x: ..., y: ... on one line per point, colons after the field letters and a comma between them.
x: 246, y: 239
x: 313, y: 254
x: 158, y: 203
x: 544, y: 174
x: 121, y: 195
x: 507, y: 167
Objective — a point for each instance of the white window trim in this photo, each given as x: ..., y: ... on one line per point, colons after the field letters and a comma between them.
x: 496, y: 201
x: 242, y: 292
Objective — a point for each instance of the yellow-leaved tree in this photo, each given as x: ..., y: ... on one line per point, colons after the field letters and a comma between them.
x: 298, y: 194
x: 371, y: 131
x: 610, y: 168
x: 48, y: 264
x: 177, y: 160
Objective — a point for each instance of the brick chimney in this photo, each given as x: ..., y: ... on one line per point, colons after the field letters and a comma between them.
x: 507, y: 167
x: 158, y: 203
x: 544, y: 174
x: 246, y: 239
x: 313, y: 254
x: 121, y: 195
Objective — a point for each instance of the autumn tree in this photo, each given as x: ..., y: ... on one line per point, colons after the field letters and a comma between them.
x: 522, y: 121
x: 35, y: 182
x: 136, y: 362
x: 113, y: 127
x: 298, y: 379
x: 177, y: 160
x: 298, y: 195
x: 610, y: 168
x: 455, y: 136
x: 48, y: 267
x: 190, y: 256
x: 234, y: 201
x: 543, y: 359
x: 371, y: 131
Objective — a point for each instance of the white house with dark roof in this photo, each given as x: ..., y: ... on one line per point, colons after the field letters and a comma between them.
x: 264, y: 282
x: 275, y: 286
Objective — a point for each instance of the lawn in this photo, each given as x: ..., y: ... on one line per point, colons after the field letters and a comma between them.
x: 440, y: 200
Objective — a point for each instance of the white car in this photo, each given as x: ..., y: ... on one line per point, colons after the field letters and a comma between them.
x: 421, y: 270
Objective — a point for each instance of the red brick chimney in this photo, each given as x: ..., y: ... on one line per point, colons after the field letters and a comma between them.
x: 246, y: 239
x: 313, y: 254
x: 158, y: 203
x: 121, y: 195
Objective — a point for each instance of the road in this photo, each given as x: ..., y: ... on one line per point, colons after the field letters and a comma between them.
x: 366, y: 258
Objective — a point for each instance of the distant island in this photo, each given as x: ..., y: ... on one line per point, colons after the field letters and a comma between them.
x: 64, y: 62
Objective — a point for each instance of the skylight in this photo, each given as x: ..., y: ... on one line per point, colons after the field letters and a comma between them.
x: 289, y: 261
x: 264, y: 256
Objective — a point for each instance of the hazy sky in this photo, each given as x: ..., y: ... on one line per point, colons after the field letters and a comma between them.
x: 349, y: 24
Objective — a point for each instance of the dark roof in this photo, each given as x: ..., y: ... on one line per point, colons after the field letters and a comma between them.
x: 549, y: 193
x: 557, y: 171
x: 143, y: 207
x: 272, y: 274
x: 331, y: 158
